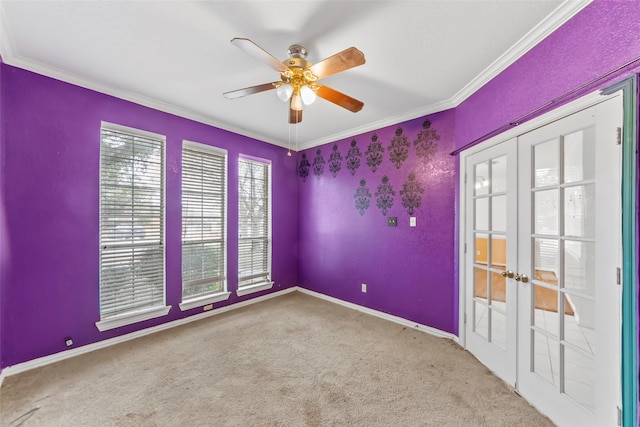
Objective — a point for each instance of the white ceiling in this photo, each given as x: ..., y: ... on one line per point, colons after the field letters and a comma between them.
x: 422, y: 56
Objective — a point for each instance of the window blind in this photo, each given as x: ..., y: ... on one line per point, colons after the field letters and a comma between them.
x: 203, y: 220
x: 131, y: 223
x: 254, y: 223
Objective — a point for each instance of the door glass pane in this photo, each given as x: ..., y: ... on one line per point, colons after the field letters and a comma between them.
x: 482, y: 213
x: 579, y: 155
x: 480, y: 283
x: 481, y: 178
x: 546, y: 362
x: 546, y: 212
x: 498, y: 290
x: 579, y: 211
x: 546, y: 258
x: 498, y: 252
x: 499, y: 213
x: 579, y: 322
x: 499, y: 329
x: 579, y: 372
x: 579, y: 266
x: 499, y: 175
x: 546, y: 163
x: 481, y: 248
x: 481, y: 319
x: 546, y: 309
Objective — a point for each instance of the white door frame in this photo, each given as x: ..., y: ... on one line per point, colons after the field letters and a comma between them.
x: 560, y: 112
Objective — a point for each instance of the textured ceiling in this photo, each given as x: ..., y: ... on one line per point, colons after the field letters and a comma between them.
x: 422, y: 56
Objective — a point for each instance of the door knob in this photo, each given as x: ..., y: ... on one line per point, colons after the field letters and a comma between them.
x: 523, y: 277
x: 508, y: 274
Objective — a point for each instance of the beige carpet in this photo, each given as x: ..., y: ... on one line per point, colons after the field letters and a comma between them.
x: 294, y: 360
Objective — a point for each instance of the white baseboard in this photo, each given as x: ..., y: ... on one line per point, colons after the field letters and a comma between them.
x: 382, y: 315
x: 67, y: 354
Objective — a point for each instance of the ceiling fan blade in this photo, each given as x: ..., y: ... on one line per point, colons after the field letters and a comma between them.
x: 249, y: 90
x: 341, y: 61
x: 259, y: 53
x: 295, y: 116
x: 339, y: 98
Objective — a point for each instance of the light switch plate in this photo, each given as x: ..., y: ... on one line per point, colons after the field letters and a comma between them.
x: 412, y: 221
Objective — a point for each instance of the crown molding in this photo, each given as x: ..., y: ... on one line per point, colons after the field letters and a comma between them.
x: 557, y: 18
x: 389, y: 121
x: 567, y: 10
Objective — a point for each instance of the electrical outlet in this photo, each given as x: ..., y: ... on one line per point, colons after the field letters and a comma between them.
x: 412, y: 221
x: 392, y: 221
x: 207, y: 307
x: 364, y: 288
x: 68, y: 341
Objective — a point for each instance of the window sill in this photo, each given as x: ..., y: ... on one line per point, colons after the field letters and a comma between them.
x: 204, y: 300
x: 254, y: 288
x: 129, y: 318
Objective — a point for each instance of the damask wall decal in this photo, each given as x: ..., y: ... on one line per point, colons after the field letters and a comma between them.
x: 411, y: 191
x: 384, y: 195
x: 399, y: 148
x: 318, y: 164
x: 335, y: 161
x: 362, y: 197
x: 303, y: 167
x: 426, y: 142
x: 353, y: 157
x: 374, y: 153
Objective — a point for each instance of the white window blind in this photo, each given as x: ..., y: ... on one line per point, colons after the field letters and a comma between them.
x: 254, y: 223
x: 203, y: 220
x: 131, y: 222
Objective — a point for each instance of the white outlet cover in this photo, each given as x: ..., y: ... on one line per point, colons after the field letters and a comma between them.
x: 364, y: 287
x: 412, y: 221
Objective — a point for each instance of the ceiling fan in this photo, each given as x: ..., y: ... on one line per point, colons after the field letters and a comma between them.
x: 299, y: 78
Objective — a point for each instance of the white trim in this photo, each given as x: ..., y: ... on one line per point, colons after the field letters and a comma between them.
x: 205, y: 148
x: 254, y: 288
x: 130, y: 318
x: 204, y: 300
x: 390, y: 317
x: 582, y: 103
x: 67, y: 354
x: 210, y: 149
x: 557, y: 18
x: 132, y: 131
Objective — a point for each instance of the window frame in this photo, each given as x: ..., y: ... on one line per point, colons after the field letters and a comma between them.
x: 222, y: 295
x: 139, y: 315
x: 268, y: 283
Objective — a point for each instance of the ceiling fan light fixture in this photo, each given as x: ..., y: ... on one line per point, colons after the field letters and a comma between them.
x: 284, y: 92
x: 296, y: 102
x: 308, y: 95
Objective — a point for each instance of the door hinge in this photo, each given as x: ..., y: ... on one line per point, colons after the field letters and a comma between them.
x: 465, y: 318
x: 619, y: 416
x: 618, y: 276
x: 465, y: 178
x: 465, y: 248
x: 619, y: 136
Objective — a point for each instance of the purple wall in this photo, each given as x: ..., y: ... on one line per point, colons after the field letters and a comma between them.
x: 51, y: 201
x: 3, y: 259
x: 408, y: 271
x: 602, y: 37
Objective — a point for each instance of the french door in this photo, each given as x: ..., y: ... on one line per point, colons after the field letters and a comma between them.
x: 543, y: 238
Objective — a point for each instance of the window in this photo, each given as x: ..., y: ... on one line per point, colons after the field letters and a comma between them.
x: 204, y: 172
x: 254, y: 226
x: 132, y: 284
